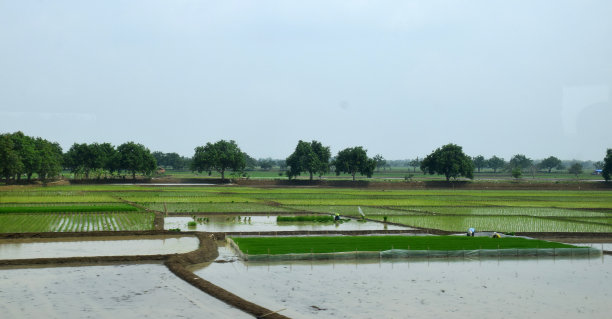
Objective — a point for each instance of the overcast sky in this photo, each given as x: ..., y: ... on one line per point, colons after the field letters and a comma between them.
x: 399, y: 78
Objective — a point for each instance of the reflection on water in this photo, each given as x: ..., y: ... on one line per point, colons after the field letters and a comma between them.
x: 96, y: 246
x: 524, y: 287
x: 120, y: 291
x: 233, y: 223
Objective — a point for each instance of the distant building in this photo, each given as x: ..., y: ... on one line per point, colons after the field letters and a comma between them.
x: 597, y: 172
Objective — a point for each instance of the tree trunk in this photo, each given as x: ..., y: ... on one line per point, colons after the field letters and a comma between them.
x: 134, y: 175
x: 310, y: 175
x: 222, y: 175
x: 353, y: 176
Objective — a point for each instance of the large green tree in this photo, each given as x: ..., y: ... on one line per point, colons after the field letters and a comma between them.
x: 310, y: 157
x: 354, y: 159
x: 80, y: 159
x: 479, y: 162
x: 265, y: 163
x: 575, y: 169
x: 10, y: 163
x: 380, y: 161
x: 519, y: 161
x: 450, y: 161
x: 50, y: 159
x: 220, y: 156
x: 551, y: 162
x: 495, y: 163
x: 26, y: 150
x: 607, y: 167
x: 135, y: 158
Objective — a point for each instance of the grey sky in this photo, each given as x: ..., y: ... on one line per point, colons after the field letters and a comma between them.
x: 400, y: 78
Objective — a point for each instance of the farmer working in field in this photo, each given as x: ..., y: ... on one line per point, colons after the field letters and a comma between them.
x: 471, y: 231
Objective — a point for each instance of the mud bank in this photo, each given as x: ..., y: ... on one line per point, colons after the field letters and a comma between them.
x: 208, y: 252
x: 467, y: 185
x: 176, y: 263
x: 97, y: 259
x: 221, y: 235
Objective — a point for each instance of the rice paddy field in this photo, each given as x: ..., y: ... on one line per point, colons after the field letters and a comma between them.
x: 132, y: 207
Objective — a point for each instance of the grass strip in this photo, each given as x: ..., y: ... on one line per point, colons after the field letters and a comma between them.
x: 300, y: 245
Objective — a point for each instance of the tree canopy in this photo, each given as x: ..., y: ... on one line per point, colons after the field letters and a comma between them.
x: 352, y: 160
x: 495, y: 163
x: 550, y: 163
x: 575, y: 169
x: 479, y: 162
x: 310, y: 157
x: 86, y: 158
x: 171, y: 160
x: 220, y: 156
x: 380, y: 161
x: 21, y: 154
x: 450, y: 161
x: 521, y: 161
x: 136, y: 158
x: 607, y: 167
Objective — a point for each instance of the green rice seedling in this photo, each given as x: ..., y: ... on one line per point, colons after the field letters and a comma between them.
x: 288, y: 245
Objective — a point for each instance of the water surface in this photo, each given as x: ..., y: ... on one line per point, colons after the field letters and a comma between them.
x: 95, y: 246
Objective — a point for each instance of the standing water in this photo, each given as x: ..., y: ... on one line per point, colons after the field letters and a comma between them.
x: 441, y: 288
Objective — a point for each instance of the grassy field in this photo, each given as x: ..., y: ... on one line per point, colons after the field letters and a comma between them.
x: 296, y: 245
x: 400, y: 173
x: 447, y: 209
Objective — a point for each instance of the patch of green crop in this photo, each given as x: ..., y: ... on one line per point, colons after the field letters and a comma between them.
x: 67, y: 208
x: 297, y: 245
x: 56, y: 197
x: 74, y: 222
x: 496, y: 223
x: 187, y: 199
x: 508, y: 211
x: 214, y: 207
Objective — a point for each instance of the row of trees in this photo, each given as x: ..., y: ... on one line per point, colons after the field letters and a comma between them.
x: 21, y: 155
x: 24, y: 155
x: 314, y: 158
x: 85, y: 159
x: 308, y: 157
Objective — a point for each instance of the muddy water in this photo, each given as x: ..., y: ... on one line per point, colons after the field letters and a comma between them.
x: 527, y: 288
x: 121, y: 291
x: 95, y: 246
x: 229, y: 223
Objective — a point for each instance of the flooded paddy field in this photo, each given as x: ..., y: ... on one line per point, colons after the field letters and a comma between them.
x: 259, y: 223
x: 116, y: 291
x: 95, y: 246
x: 508, y: 288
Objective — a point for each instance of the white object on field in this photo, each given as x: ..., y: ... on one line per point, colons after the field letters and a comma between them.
x: 360, y: 211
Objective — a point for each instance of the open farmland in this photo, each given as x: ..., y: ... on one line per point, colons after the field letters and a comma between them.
x: 122, y: 207
x: 75, y: 222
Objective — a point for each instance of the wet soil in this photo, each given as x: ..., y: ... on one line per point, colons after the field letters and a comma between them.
x: 176, y: 263
x: 507, y: 288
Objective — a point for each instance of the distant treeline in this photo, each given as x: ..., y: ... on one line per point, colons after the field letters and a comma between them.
x: 22, y: 157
